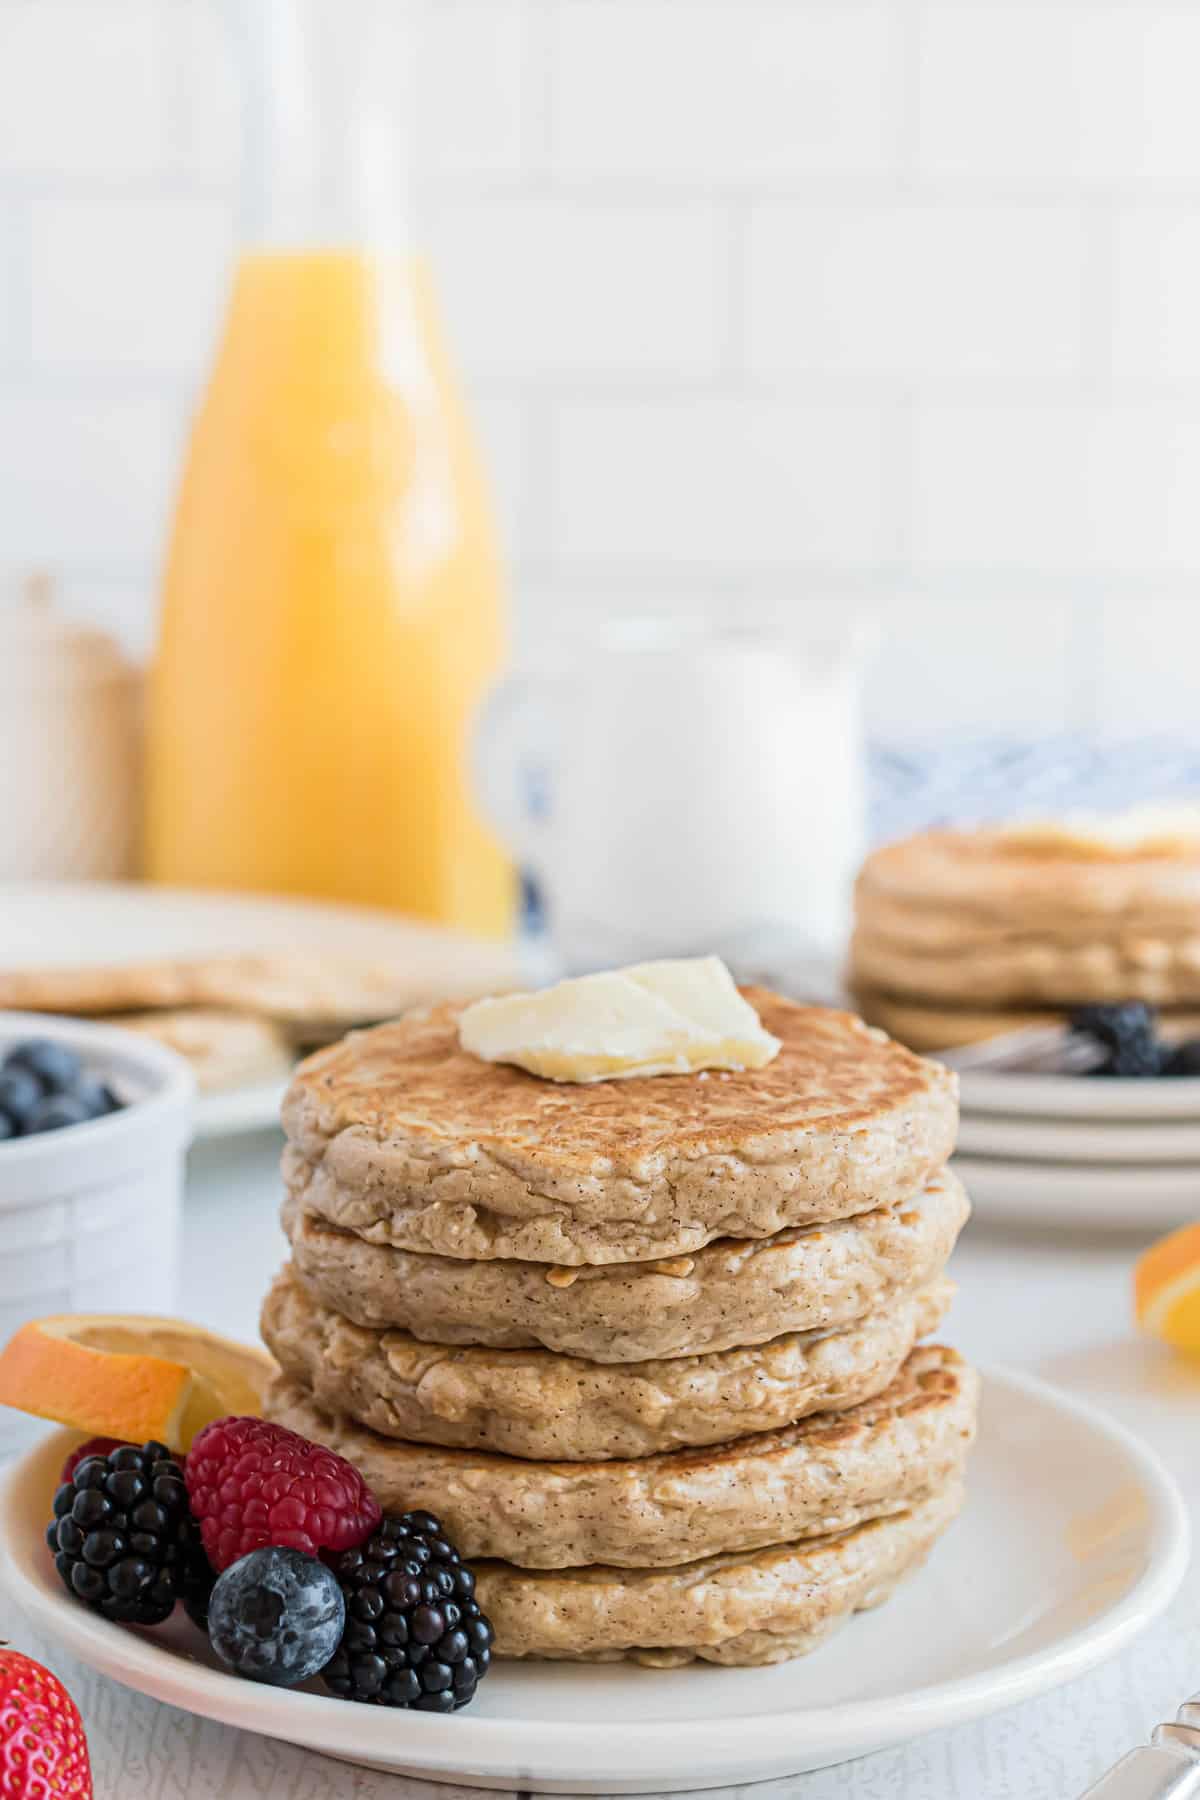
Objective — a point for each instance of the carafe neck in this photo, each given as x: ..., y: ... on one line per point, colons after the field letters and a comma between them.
x: 325, y: 84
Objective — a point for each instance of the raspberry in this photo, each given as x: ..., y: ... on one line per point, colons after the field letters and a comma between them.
x: 252, y: 1484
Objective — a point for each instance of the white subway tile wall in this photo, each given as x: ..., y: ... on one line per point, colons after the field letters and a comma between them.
x: 865, y: 305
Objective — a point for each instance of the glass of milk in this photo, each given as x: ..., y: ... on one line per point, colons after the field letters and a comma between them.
x: 699, y: 788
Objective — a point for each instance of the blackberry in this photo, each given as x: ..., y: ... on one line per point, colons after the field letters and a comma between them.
x: 1129, y: 1033
x: 123, y: 1537
x: 414, y: 1633
x: 196, y: 1579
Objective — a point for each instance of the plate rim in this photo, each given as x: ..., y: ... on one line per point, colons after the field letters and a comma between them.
x: 1080, y: 1098
x: 1079, y: 1196
x: 239, y: 1111
x: 436, y: 1747
x: 1030, y: 1137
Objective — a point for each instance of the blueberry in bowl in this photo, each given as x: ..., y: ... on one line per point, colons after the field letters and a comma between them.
x: 55, y: 1066
x: 46, y: 1086
x: 97, y: 1197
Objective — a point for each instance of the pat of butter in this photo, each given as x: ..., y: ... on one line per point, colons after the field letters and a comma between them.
x: 1142, y: 831
x: 657, y: 1018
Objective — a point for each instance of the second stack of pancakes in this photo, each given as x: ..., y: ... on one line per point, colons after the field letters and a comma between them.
x: 649, y: 1348
x: 963, y: 934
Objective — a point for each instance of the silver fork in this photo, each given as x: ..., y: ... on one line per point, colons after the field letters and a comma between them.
x: 1167, y: 1768
x: 1038, y: 1049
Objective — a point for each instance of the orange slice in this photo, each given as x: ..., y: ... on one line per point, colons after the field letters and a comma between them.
x: 1166, y: 1289
x: 131, y: 1375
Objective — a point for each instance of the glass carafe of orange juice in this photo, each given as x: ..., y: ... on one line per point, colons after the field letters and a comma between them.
x: 332, y: 602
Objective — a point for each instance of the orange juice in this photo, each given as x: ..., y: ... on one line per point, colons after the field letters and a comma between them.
x: 332, y: 607
x: 332, y: 610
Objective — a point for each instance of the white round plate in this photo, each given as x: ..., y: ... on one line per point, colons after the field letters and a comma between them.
x: 231, y: 1111
x: 1073, y: 1539
x: 1142, y: 1141
x: 48, y: 924
x: 1079, y: 1096
x: 1125, y: 1197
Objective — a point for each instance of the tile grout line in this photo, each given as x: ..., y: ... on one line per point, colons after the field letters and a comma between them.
x: 731, y: 360
x: 907, y: 53
x: 536, y: 135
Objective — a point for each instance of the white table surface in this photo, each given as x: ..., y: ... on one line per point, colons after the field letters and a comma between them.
x: 1058, y: 1306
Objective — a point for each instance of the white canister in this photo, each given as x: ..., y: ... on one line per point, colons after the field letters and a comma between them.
x: 90, y: 1215
x: 69, y: 746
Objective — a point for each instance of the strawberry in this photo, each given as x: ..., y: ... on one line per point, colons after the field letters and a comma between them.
x: 43, y: 1750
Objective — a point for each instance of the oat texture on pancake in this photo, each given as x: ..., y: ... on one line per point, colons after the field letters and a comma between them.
x: 654, y: 1349
x: 403, y: 1137
x: 1001, y: 922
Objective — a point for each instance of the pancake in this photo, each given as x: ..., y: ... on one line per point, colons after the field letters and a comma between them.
x: 941, y: 1028
x: 826, y: 1473
x: 732, y: 1292
x: 316, y: 994
x: 225, y: 1049
x: 1132, y: 965
x: 930, y: 925
x: 103, y: 988
x: 760, y: 1606
x: 403, y: 1137
x: 1049, y: 919
x: 984, y: 877
x: 539, y: 1405
x: 311, y: 992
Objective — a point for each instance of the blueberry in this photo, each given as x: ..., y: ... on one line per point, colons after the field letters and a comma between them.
x: 1129, y: 1035
x: 20, y: 1095
x: 1113, y: 1025
x: 56, y: 1066
x: 1184, y: 1059
x: 276, y: 1616
x: 97, y: 1096
x: 55, y: 1111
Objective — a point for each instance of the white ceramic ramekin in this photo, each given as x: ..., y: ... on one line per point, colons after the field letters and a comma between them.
x: 90, y: 1215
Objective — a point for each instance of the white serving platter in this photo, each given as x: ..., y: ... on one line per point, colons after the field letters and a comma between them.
x: 1072, y: 1541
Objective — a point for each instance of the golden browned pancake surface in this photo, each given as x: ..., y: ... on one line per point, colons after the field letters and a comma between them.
x: 826, y: 1473
x: 225, y: 1049
x: 310, y: 991
x: 402, y: 1136
x: 979, y: 875
x: 546, y: 1407
x: 936, y: 1027
x: 751, y: 1608
x: 735, y: 1291
x: 979, y: 918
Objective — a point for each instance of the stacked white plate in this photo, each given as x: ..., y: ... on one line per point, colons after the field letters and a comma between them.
x: 1081, y: 1150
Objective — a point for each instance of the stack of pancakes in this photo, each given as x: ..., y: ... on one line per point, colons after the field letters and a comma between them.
x: 649, y: 1348
x: 963, y: 934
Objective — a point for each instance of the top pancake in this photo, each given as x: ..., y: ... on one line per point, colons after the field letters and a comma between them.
x: 981, y: 881
x: 402, y: 1136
